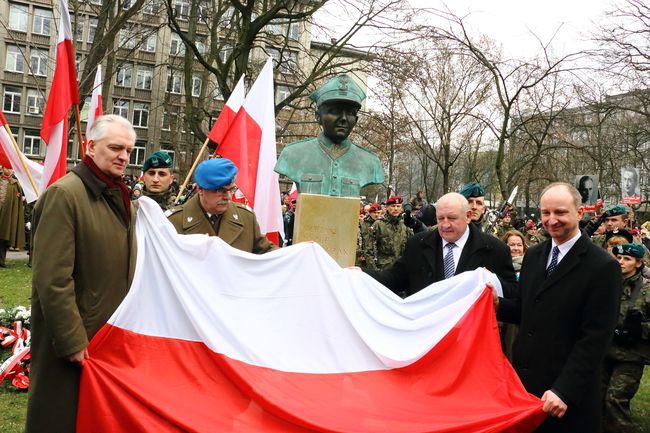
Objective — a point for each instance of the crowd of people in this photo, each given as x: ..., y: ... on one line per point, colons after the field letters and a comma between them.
x: 575, y: 300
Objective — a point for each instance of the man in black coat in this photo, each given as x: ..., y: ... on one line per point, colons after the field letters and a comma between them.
x: 423, y: 261
x: 567, y: 308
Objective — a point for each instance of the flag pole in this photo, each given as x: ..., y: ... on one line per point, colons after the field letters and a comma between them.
x: 78, y: 119
x: 189, y: 174
x: 20, y: 156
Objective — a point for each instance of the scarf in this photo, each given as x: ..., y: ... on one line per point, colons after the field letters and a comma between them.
x: 112, y: 183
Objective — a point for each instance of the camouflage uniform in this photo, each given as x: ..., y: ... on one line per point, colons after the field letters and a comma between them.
x: 627, y: 355
x: 164, y: 199
x: 364, y: 241
x: 502, y: 229
x: 389, y: 235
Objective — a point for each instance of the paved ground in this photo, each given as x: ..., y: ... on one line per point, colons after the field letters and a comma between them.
x: 17, y: 255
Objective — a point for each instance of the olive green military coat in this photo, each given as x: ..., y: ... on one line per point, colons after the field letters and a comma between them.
x: 12, y: 216
x: 83, y: 263
x: 238, y: 226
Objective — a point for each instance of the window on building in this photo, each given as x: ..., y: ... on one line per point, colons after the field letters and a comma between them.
x: 18, y: 17
x: 286, y: 61
x: 200, y: 42
x: 127, y: 38
x: 196, y: 85
x: 14, y: 61
x: 294, y: 31
x: 138, y: 154
x: 38, y: 62
x: 181, y: 8
x: 174, y: 82
x: 204, y: 12
x: 140, y: 115
x: 11, y: 99
x: 165, y: 121
x: 225, y: 51
x: 42, y: 22
x: 143, y: 77
x: 77, y: 63
x: 78, y: 25
x: 126, y: 4
x: 149, y: 41
x: 92, y: 29
x: 123, y: 76
x: 151, y: 7
x: 121, y: 108
x: 282, y: 93
x: 176, y: 47
x: 32, y: 143
x: 34, y: 102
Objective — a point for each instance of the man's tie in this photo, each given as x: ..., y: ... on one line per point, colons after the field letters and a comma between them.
x: 450, y: 267
x: 214, y: 220
x: 553, y: 264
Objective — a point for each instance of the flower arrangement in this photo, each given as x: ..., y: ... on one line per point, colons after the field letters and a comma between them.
x: 15, y: 336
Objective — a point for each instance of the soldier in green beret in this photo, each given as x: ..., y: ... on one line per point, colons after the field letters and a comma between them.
x: 475, y: 195
x: 331, y: 164
x: 630, y: 348
x: 157, y: 169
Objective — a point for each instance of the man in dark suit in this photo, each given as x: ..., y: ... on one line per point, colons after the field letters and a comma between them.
x: 567, y: 308
x: 454, y: 247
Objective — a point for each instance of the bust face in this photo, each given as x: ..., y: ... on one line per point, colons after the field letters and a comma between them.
x: 337, y: 119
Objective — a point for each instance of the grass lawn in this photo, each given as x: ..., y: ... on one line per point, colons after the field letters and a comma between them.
x: 15, y: 289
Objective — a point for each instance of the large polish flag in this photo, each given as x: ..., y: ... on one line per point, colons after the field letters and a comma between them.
x: 227, y: 115
x: 95, y: 109
x: 250, y: 145
x: 317, y: 349
x: 63, y: 94
x: 12, y: 157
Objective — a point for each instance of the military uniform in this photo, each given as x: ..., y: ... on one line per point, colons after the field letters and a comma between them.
x: 364, y: 241
x: 627, y: 355
x: 164, y: 199
x: 12, y: 216
x: 237, y: 226
x: 389, y: 236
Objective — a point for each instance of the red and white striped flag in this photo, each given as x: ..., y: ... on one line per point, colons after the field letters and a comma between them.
x: 95, y: 109
x: 189, y: 351
x: 227, y: 115
x: 250, y: 145
x: 63, y: 94
x: 14, y: 158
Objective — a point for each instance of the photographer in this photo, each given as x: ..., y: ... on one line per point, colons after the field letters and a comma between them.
x: 630, y: 348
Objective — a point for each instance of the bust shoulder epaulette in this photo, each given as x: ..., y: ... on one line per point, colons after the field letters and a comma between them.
x: 243, y: 206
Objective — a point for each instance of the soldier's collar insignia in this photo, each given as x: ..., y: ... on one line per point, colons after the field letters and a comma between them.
x: 235, y: 216
x: 189, y: 219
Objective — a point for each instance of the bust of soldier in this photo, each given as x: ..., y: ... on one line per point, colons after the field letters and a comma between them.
x: 330, y: 164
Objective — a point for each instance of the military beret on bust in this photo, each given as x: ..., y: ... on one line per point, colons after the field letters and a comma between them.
x: 157, y: 159
x: 215, y: 173
x: 472, y: 189
x: 618, y: 209
x: 631, y: 249
x: 340, y: 88
x: 619, y: 232
x: 394, y: 200
x: 374, y: 207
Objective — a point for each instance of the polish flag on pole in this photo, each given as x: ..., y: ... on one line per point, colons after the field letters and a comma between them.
x: 95, y: 109
x: 63, y: 94
x: 227, y: 115
x: 188, y: 350
x: 250, y: 145
x: 12, y: 157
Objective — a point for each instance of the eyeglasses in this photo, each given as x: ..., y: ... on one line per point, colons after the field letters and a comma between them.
x: 227, y: 190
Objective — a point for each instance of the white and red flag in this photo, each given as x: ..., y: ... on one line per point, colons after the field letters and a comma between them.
x: 63, y: 94
x: 227, y: 115
x: 317, y: 349
x: 250, y: 145
x: 95, y: 109
x: 14, y: 158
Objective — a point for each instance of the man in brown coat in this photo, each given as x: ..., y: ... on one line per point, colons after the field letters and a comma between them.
x: 84, y: 258
x: 212, y: 212
x: 12, y: 215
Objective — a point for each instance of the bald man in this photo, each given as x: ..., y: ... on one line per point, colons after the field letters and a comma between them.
x: 454, y: 247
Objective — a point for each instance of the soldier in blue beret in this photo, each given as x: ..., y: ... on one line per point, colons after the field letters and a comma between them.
x: 475, y: 195
x: 331, y: 164
x: 629, y: 351
x: 157, y: 173
x: 212, y: 212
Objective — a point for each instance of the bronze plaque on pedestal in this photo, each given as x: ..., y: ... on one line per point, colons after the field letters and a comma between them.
x: 330, y: 221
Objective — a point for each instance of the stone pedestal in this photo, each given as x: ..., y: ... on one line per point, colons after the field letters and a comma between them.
x: 330, y: 221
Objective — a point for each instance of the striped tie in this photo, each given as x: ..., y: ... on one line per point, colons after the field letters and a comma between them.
x: 448, y: 262
x: 553, y: 264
